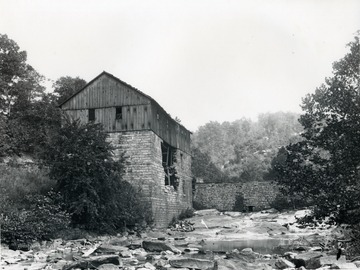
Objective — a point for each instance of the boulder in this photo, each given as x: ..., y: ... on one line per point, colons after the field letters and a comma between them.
x: 313, y: 263
x: 283, y: 264
x: 94, y: 261
x: 158, y: 246
x: 193, y: 263
x: 108, y: 266
x: 111, y: 249
x: 246, y: 255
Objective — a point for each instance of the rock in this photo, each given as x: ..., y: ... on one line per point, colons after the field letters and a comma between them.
x: 246, y: 255
x: 111, y: 249
x: 343, y: 265
x: 298, y: 262
x: 329, y: 260
x: 125, y: 254
x: 149, y: 266
x: 233, y: 214
x: 313, y: 263
x: 108, y: 266
x: 158, y: 246
x: 224, y: 264
x: 193, y: 263
x: 191, y: 250
x: 271, y: 211
x: 283, y: 264
x: 94, y: 261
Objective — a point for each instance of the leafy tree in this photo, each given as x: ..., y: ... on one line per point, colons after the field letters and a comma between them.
x: 324, y: 166
x: 19, y: 82
x: 64, y: 87
x: 90, y: 180
x: 27, y: 114
x: 203, y: 168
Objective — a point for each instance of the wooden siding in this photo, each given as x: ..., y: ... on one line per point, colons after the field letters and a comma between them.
x: 105, y: 92
x: 139, y: 112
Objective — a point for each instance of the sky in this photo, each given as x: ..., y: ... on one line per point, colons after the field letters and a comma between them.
x: 201, y: 60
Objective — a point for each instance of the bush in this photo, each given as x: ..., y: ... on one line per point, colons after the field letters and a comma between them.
x: 199, y: 206
x: 41, y: 220
x: 17, y: 182
x: 188, y: 213
x: 239, y: 203
x: 80, y: 160
x: 283, y: 202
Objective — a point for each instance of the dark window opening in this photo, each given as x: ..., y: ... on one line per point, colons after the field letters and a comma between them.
x: 91, y: 115
x: 132, y: 126
x: 134, y: 110
x: 168, y: 162
x: 118, y: 113
x: 250, y: 208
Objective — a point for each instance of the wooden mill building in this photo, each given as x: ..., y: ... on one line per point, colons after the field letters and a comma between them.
x: 156, y: 147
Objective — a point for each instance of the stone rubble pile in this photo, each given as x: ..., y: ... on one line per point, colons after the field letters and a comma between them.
x: 183, y: 226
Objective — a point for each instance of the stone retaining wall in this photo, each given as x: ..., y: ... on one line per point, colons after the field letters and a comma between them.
x: 222, y: 196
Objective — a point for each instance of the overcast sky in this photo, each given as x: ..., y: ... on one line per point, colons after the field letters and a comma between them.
x: 201, y: 60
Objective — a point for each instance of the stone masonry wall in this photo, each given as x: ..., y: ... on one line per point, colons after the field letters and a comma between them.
x: 222, y: 196
x: 142, y: 151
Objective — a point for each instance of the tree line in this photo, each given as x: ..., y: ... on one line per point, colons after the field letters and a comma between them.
x: 242, y: 150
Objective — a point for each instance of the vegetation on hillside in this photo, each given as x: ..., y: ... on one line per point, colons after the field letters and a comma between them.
x: 241, y: 151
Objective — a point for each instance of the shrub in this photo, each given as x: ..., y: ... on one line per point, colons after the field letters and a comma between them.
x: 42, y: 219
x: 80, y: 160
x: 17, y: 182
x: 239, y: 203
x: 283, y: 202
x: 199, y: 206
x: 188, y: 213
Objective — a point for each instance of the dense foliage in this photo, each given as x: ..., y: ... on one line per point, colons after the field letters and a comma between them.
x: 42, y: 219
x: 90, y: 180
x: 241, y: 150
x: 29, y: 209
x: 324, y: 166
x: 65, y: 87
x: 27, y: 114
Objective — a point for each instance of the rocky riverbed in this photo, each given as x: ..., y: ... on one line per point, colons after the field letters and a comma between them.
x: 209, y: 240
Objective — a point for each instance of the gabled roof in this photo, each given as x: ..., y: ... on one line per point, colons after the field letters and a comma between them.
x: 122, y: 82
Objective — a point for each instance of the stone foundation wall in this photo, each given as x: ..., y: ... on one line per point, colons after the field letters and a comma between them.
x: 142, y: 151
x: 222, y: 196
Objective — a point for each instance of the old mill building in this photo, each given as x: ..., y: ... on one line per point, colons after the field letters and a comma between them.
x: 156, y: 147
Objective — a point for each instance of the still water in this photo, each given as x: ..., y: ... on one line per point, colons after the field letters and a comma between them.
x: 263, y: 246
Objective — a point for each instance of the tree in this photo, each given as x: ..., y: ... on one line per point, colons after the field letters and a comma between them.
x: 90, y: 180
x: 203, y: 168
x: 324, y: 166
x: 19, y: 82
x: 26, y: 112
x: 64, y: 87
